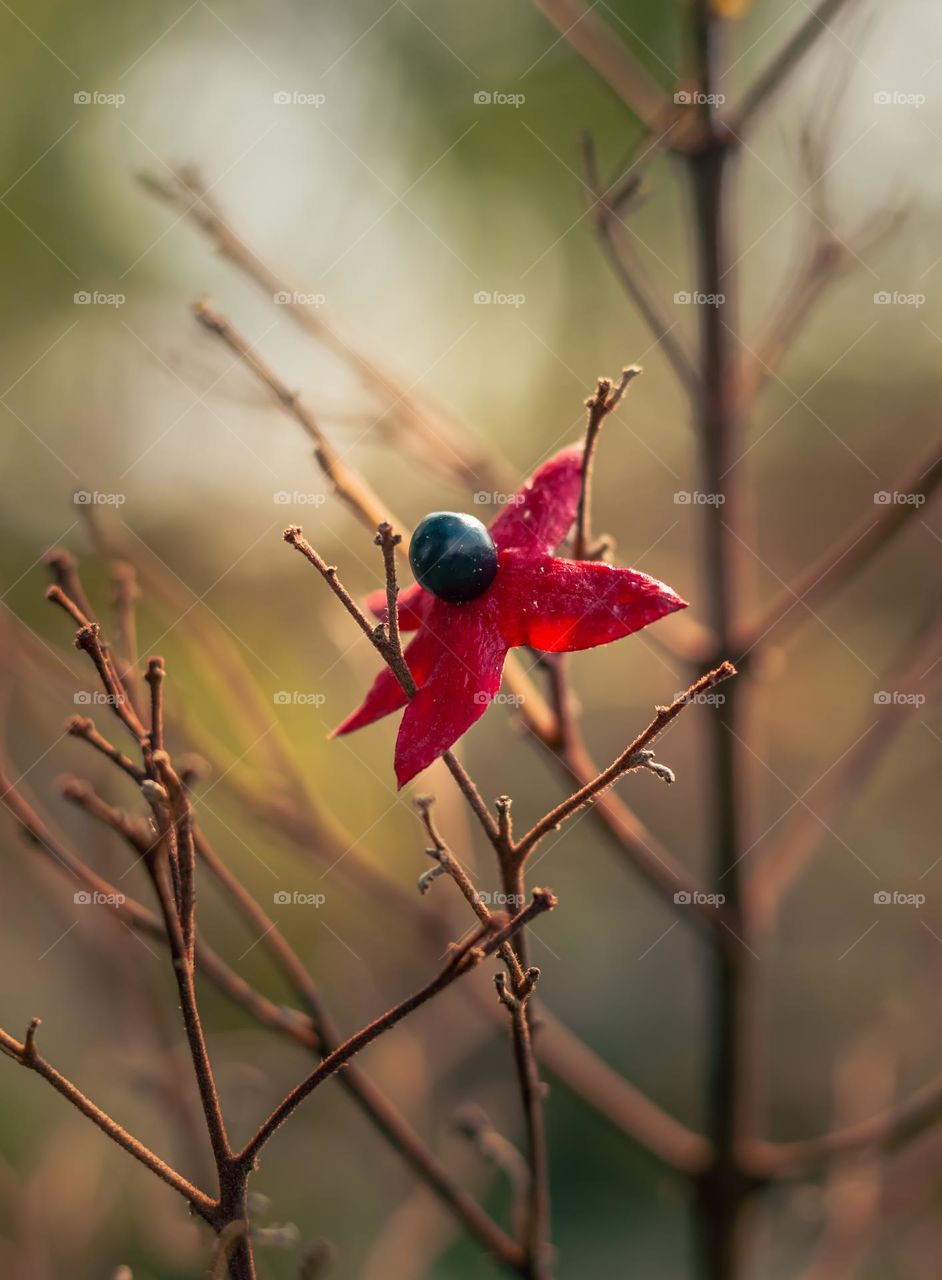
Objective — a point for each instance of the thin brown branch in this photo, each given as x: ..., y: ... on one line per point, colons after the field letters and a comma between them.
x: 374, y: 1103
x: 27, y: 1055
x: 563, y: 1053
x: 155, y: 679
x: 633, y: 757
x: 156, y: 857
x: 605, y: 400
x: 466, y: 958
x: 380, y: 639
x: 64, y: 569
x: 608, y: 205
x: 514, y: 989
x: 82, y: 727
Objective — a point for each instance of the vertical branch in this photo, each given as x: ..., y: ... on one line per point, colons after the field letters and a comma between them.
x: 711, y: 171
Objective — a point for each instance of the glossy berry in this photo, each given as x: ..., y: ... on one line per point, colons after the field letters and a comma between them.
x: 453, y: 556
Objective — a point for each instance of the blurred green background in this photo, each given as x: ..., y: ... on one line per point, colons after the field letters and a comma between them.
x: 397, y: 199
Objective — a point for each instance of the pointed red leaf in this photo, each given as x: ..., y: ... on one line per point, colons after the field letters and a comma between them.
x: 545, y: 507
x: 459, y: 687
x: 560, y: 605
x: 386, y: 694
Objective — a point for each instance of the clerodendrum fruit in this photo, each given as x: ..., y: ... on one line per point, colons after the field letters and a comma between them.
x: 453, y: 556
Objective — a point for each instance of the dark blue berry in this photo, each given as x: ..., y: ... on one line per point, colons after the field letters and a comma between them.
x: 453, y: 556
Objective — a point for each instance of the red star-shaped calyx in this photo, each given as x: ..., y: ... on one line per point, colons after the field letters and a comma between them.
x: 536, y: 599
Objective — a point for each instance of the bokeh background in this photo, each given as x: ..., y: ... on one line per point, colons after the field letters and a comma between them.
x: 394, y: 198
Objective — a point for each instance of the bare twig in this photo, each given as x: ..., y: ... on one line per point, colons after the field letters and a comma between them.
x: 605, y: 400
x: 481, y: 944
x: 631, y: 758
x: 380, y: 639
x: 27, y: 1055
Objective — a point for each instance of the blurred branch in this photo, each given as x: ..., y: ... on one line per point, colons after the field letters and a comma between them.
x: 863, y: 1079
x: 348, y: 486
x: 620, y: 1102
x: 849, y: 553
x: 423, y: 427
x: 804, y: 830
x: 472, y: 1122
x: 584, y: 29
x: 607, y: 207
x: 27, y: 1055
x: 884, y: 1134
x: 828, y: 255
x: 772, y: 79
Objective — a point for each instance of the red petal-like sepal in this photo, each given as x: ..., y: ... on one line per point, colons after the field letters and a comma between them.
x: 560, y: 605
x: 543, y: 510
x: 459, y: 687
x: 386, y: 694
